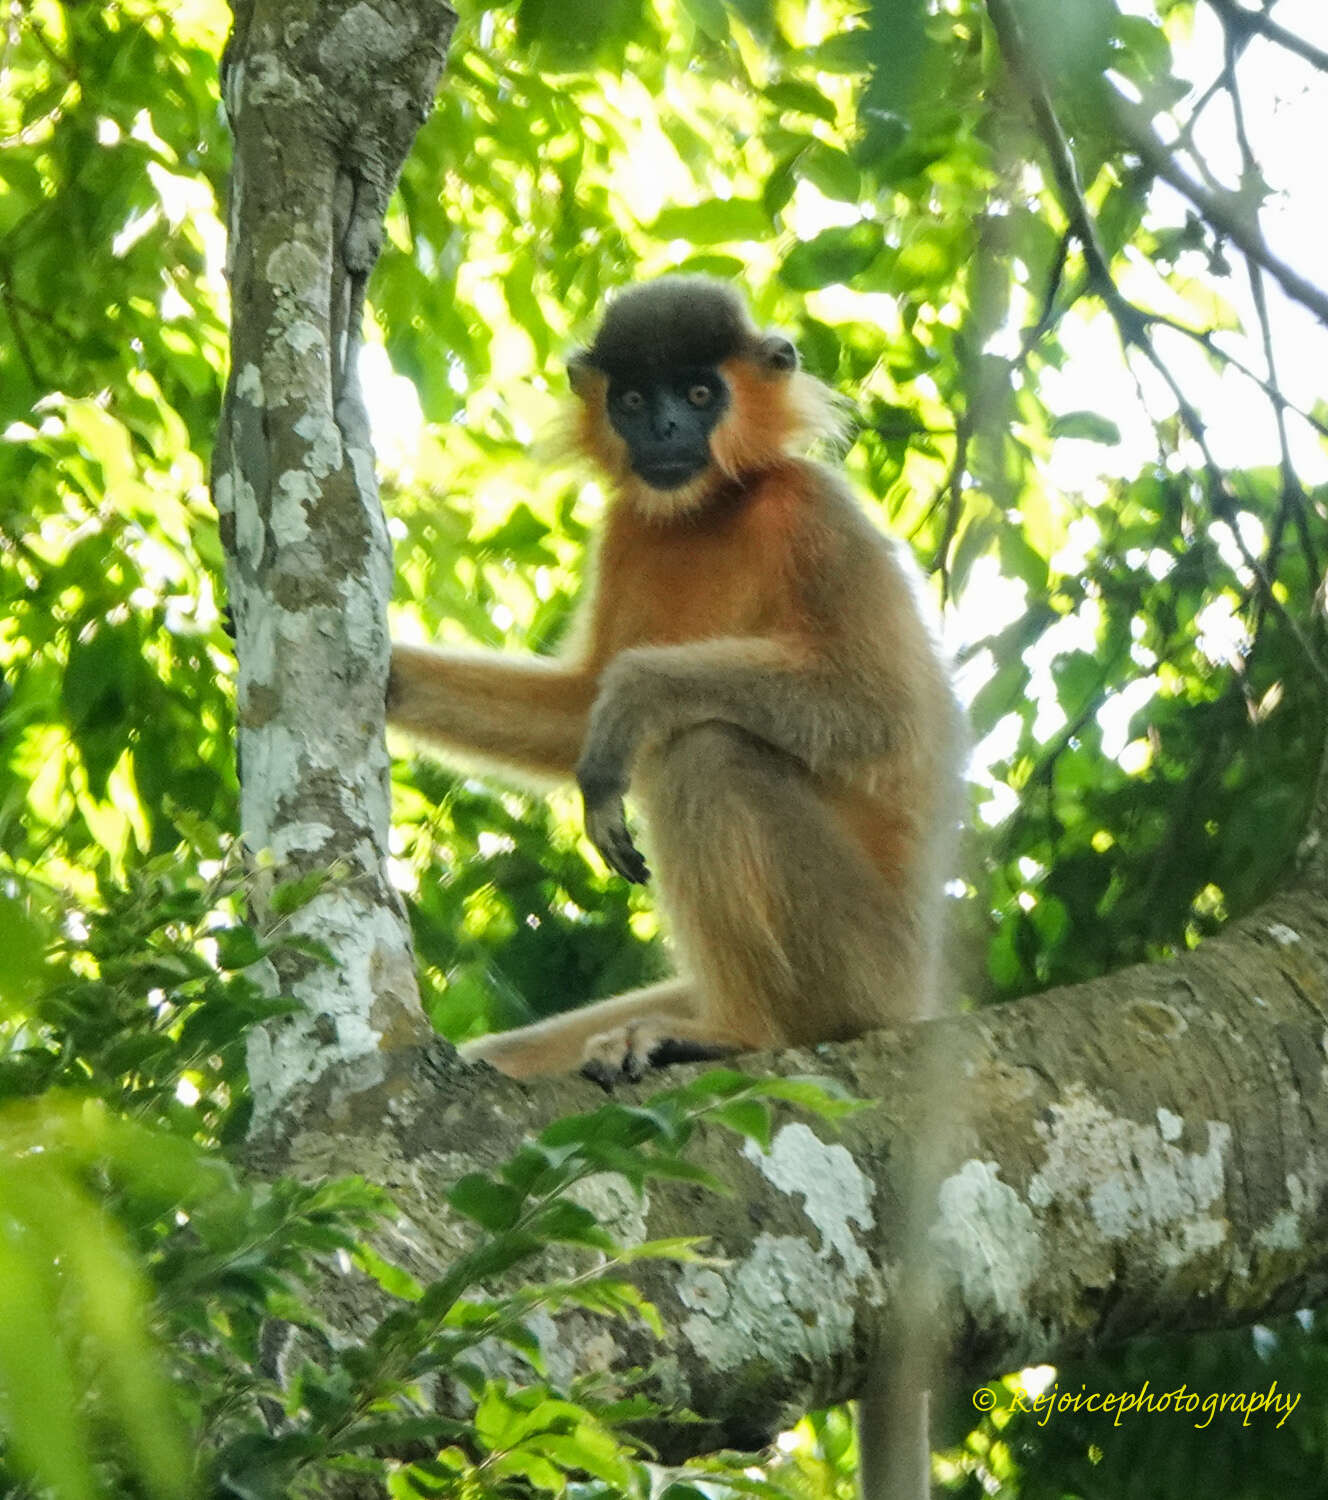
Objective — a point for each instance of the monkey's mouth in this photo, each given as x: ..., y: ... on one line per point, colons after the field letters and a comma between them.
x: 669, y: 475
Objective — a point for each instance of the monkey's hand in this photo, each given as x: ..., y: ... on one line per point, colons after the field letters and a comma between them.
x: 606, y: 822
x: 604, y: 770
x: 606, y: 826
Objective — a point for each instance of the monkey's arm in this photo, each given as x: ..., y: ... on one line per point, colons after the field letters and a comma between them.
x: 819, y: 712
x: 526, y: 712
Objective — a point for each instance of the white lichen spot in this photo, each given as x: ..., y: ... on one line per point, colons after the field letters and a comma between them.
x: 363, y: 615
x: 233, y: 83
x: 615, y: 1203
x: 335, y: 1024
x: 258, y: 661
x: 249, y: 534
x: 1286, y: 1229
x: 308, y: 838
x: 249, y: 385
x: 1195, y: 1237
x: 1171, y: 1126
x: 295, y: 489
x: 1282, y: 1232
x: 297, y: 630
x: 324, y: 439
x: 1281, y: 933
x: 304, y: 336
x: 984, y: 1241
x: 271, y: 80
x: 836, y: 1193
x: 297, y: 269
x: 785, y: 1302
x: 223, y: 494
x: 704, y: 1291
x: 274, y: 770
x: 1131, y: 1181
x: 362, y: 466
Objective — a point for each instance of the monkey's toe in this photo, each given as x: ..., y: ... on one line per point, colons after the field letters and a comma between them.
x: 619, y: 1056
x: 601, y: 1073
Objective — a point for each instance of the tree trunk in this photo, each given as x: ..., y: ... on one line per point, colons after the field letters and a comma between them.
x: 324, y: 100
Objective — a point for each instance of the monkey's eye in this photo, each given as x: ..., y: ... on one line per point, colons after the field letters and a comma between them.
x: 631, y: 400
x: 700, y: 394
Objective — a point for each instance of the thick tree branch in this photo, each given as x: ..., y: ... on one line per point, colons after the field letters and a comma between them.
x: 1148, y: 1151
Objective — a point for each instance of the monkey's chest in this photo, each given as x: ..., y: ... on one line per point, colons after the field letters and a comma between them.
x: 720, y: 581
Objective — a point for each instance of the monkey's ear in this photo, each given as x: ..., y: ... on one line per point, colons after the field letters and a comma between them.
x: 776, y: 353
x: 585, y: 378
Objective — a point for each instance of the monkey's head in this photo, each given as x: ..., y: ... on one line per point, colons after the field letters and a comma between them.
x: 680, y: 392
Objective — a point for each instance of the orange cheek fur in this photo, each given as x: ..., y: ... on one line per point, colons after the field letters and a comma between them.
x: 769, y: 415
x: 595, y: 438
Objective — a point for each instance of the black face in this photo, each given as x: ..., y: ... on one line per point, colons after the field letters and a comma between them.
x: 666, y: 419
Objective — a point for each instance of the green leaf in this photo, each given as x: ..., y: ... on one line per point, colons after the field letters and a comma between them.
x: 112, y: 1300
x: 22, y: 954
x: 748, y: 1117
x: 833, y: 171
x: 568, y: 1223
x: 517, y: 1463
x: 493, y: 1205
x: 238, y: 947
x: 393, y: 1279
x: 826, y: 1097
x: 802, y: 97
x: 574, y: 39
x: 710, y: 17
x: 714, y: 222
x: 1091, y: 426
x: 585, y: 1448
x: 290, y: 895
x: 836, y: 254
x: 39, y: 1392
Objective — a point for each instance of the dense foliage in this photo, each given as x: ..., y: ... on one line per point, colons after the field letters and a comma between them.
x: 1090, y: 409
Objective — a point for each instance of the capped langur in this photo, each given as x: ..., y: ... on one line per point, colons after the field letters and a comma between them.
x: 753, y: 667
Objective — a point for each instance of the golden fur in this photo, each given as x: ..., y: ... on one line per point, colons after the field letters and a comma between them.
x: 753, y: 658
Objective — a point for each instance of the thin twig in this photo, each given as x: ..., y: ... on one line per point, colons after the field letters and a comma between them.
x: 953, y: 491
x: 1225, y: 506
x: 1294, y: 501
x: 1220, y: 211
x: 1246, y: 22
x: 20, y: 335
x: 1045, y: 317
x: 1207, y: 341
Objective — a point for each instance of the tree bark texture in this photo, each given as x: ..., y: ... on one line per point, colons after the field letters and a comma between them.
x: 324, y: 98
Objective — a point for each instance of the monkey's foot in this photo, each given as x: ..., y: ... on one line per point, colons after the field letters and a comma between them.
x: 628, y: 1052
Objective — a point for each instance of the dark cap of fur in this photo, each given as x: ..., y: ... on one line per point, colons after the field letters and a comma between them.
x: 676, y: 321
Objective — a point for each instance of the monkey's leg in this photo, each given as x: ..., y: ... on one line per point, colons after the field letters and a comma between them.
x: 559, y: 1045
x: 526, y: 713
x: 793, y: 935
